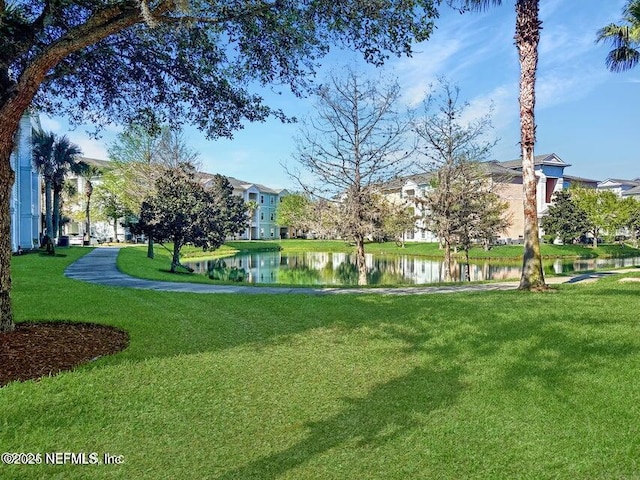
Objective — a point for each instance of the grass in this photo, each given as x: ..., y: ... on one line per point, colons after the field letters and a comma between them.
x: 492, y: 385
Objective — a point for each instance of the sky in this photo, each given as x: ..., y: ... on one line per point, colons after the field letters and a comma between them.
x: 584, y: 114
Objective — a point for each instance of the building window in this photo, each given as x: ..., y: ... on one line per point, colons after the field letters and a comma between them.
x: 261, y: 215
x: 272, y: 232
x: 272, y: 200
x: 261, y: 198
x: 272, y: 217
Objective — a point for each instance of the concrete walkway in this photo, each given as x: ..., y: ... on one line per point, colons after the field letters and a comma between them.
x: 99, y: 266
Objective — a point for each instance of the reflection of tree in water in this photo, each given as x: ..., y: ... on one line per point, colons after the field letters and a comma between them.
x: 299, y: 275
x: 347, y: 273
x: 218, y: 270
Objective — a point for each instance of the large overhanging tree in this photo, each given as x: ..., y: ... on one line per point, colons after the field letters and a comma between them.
x: 150, y: 61
x: 527, y: 37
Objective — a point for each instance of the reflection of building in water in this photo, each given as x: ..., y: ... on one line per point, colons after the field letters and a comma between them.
x: 339, y: 268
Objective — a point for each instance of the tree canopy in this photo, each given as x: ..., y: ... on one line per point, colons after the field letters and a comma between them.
x: 181, y: 211
x: 151, y: 62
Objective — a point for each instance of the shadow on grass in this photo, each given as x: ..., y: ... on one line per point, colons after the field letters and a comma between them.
x: 49, y: 255
x: 390, y: 410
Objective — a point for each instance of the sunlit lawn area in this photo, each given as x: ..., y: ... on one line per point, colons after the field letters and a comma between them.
x: 468, y: 385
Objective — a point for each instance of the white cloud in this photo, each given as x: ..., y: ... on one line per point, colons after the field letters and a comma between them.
x: 90, y: 147
x: 49, y: 124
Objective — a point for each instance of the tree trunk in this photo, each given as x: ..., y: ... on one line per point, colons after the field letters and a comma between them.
x: 527, y: 38
x: 150, y: 253
x: 446, y: 265
x: 175, y: 261
x: 115, y: 229
x: 7, y: 178
x: 55, y: 231
x: 361, y: 262
x: 48, y: 209
x: 467, y: 270
x: 87, y: 213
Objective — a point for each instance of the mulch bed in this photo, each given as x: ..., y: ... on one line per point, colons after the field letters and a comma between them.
x: 34, y: 350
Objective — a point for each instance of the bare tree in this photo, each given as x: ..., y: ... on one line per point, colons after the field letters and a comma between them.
x: 356, y: 141
x: 450, y: 147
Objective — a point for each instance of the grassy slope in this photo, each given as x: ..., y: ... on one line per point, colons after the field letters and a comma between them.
x: 494, y: 385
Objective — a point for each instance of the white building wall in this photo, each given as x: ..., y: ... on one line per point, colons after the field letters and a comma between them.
x: 25, y: 209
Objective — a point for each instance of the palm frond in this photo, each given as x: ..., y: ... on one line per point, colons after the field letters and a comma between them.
x: 473, y: 5
x: 624, y: 39
x: 622, y: 59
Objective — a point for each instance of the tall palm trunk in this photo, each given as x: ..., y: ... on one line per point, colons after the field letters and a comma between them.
x: 7, y: 178
x: 88, y: 191
x: 57, y: 192
x: 48, y: 208
x: 527, y: 38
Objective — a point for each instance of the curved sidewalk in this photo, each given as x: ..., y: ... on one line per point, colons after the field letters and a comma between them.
x: 99, y: 266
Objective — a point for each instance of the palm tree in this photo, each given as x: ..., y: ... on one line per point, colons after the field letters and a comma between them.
x: 625, y: 39
x: 43, y: 144
x: 252, y: 206
x: 527, y: 37
x: 65, y: 156
x: 53, y: 157
x: 88, y: 172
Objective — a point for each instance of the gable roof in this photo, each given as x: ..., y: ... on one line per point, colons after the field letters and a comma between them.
x: 547, y: 159
x: 242, y: 185
x: 617, y: 182
x: 632, y: 192
x: 575, y: 179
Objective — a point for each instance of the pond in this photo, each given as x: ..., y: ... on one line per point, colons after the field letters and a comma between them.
x: 313, y: 268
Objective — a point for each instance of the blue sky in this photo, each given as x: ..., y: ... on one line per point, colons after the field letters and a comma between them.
x: 584, y: 113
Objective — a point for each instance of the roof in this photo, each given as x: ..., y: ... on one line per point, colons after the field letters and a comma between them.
x: 241, y: 184
x: 495, y: 168
x: 580, y: 179
x: 96, y: 162
x: 546, y: 159
x: 621, y: 182
x: 632, y: 192
x: 398, y: 182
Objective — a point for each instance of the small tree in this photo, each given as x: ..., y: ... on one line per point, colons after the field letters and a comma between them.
x: 89, y: 173
x: 629, y: 218
x: 356, y: 141
x: 293, y: 212
x: 481, y: 214
x: 397, y: 221
x: 565, y: 220
x: 110, y: 202
x: 451, y: 146
x: 601, y: 209
x: 182, y: 211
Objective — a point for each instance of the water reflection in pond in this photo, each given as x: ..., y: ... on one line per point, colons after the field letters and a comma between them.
x: 313, y: 268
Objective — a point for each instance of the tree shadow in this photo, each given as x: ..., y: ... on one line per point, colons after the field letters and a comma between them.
x: 390, y: 410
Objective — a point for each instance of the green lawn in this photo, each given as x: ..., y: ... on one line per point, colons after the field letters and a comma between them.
x: 470, y: 385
